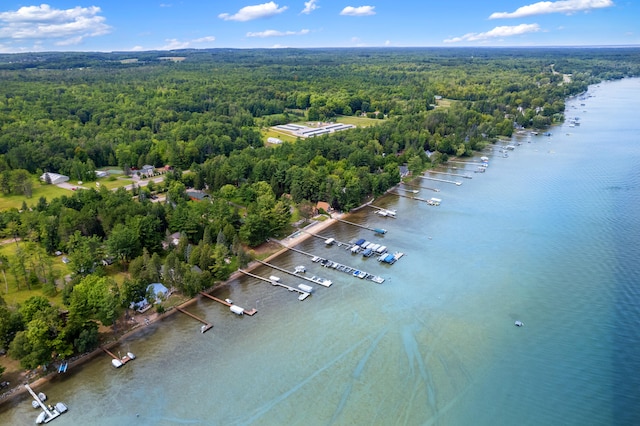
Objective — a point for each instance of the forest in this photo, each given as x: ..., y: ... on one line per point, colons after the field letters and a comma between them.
x: 204, y: 113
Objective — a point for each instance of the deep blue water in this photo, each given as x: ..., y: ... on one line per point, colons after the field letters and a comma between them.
x: 548, y: 236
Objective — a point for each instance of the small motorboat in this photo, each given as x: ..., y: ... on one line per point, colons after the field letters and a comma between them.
x: 116, y: 363
x: 229, y: 301
x: 519, y: 323
x: 131, y: 355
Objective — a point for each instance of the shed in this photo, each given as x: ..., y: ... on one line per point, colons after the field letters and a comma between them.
x: 274, y: 140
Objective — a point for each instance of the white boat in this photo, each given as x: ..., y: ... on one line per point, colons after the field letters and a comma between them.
x: 306, y: 288
x: 300, y: 269
x: 131, y: 355
x: 116, y: 363
x: 329, y: 241
x: 35, y: 404
x: 42, y: 396
x: 41, y: 418
x: 274, y: 278
x: 229, y: 301
x: 237, y: 310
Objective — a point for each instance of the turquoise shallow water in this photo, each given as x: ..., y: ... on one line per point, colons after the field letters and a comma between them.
x: 548, y: 236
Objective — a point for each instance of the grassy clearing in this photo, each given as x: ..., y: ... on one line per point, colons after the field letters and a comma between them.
x: 39, y: 190
x: 358, y: 121
x: 111, y: 183
x: 445, y: 103
x: 270, y: 133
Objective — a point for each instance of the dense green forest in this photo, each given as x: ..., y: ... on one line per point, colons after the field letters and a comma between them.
x: 202, y: 113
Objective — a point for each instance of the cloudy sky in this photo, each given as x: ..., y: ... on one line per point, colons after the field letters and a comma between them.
x: 117, y: 25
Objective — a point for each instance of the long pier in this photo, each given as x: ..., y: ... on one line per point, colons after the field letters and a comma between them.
x: 325, y: 283
x: 465, y: 162
x: 382, y: 209
x: 251, y: 312
x: 205, y: 325
x: 303, y: 294
x: 442, y: 180
x: 379, y: 231
x: 411, y: 198
x: 450, y: 174
x: 338, y: 243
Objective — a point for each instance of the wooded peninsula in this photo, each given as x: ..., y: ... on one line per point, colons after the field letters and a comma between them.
x: 171, y: 176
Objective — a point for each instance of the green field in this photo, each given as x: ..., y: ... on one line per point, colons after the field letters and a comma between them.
x: 269, y: 133
x: 358, y: 121
x: 39, y: 190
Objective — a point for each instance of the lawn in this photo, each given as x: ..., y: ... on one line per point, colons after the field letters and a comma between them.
x: 358, y: 121
x: 270, y: 133
x: 111, y: 183
x: 39, y: 190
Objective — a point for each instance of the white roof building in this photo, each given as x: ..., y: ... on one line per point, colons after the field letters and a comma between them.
x: 54, y: 178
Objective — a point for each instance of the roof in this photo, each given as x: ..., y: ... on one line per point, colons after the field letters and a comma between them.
x: 158, y: 288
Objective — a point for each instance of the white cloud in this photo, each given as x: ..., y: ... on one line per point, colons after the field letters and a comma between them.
x: 249, y: 13
x: 310, y: 6
x: 504, y: 31
x: 63, y: 26
x: 358, y: 11
x: 275, y: 33
x: 173, y: 43
x: 545, y: 7
x: 387, y: 43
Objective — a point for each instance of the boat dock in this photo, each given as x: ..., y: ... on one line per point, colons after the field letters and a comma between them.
x: 125, y: 359
x: 328, y: 240
x: 450, y: 174
x: 205, y: 325
x: 303, y: 294
x: 50, y: 414
x: 377, y: 230
x: 423, y: 187
x: 339, y: 267
x: 251, y: 312
x: 383, y: 212
x: 455, y: 182
x: 466, y: 162
x: 322, y: 282
x: 414, y: 198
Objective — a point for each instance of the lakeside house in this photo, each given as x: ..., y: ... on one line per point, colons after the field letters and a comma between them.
x: 157, y: 291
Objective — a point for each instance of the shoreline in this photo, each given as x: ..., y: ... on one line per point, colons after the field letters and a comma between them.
x: 301, y: 235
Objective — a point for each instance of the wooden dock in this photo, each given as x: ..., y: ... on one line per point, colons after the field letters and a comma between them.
x: 205, y: 325
x: 450, y: 174
x: 251, y: 312
x: 303, y: 294
x: 455, y: 182
x: 465, y: 162
x: 412, y: 198
x: 338, y: 243
x: 277, y: 268
x: 376, y: 230
x: 50, y: 415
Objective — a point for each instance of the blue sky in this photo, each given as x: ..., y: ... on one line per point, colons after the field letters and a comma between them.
x: 135, y: 25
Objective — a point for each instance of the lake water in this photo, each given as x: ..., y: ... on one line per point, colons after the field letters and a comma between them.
x: 548, y: 236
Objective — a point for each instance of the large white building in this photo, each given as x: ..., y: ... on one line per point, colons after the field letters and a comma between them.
x: 54, y: 178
